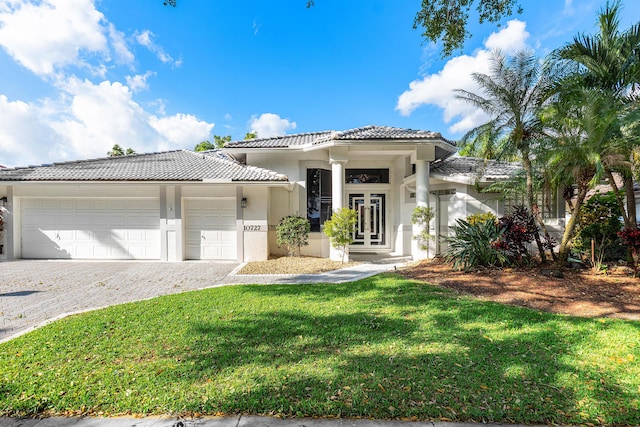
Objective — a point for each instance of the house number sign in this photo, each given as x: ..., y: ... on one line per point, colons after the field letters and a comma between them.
x: 252, y: 228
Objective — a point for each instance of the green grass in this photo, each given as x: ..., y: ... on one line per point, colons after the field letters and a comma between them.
x: 384, y: 347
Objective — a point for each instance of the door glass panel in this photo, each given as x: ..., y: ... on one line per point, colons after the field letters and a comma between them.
x: 377, y: 235
x: 357, y: 203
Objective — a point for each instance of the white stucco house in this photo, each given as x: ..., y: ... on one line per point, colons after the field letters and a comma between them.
x: 225, y: 204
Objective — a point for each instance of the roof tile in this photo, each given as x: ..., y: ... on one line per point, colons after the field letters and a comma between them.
x: 362, y: 133
x: 181, y: 165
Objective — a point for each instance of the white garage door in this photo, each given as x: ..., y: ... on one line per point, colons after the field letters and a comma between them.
x: 90, y: 228
x: 210, y: 226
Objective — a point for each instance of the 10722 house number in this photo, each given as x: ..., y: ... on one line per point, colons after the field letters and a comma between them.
x: 252, y: 228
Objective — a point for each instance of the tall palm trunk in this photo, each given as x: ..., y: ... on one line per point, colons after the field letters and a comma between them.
x: 526, y: 163
x: 570, y: 227
x: 628, y: 210
x: 631, y: 201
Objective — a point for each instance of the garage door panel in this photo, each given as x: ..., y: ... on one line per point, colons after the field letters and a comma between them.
x: 210, y: 229
x: 90, y: 228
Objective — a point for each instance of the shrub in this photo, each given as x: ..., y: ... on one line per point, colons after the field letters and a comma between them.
x: 599, y: 221
x: 421, y: 216
x: 293, y: 232
x: 631, y: 239
x: 340, y: 228
x: 475, y: 245
x: 519, y: 228
x: 481, y: 217
x: 490, y: 242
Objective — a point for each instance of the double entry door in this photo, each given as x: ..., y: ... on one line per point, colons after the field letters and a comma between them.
x: 370, y: 232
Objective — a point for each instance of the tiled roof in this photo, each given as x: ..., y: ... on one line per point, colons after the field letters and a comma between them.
x: 471, y: 167
x: 383, y: 133
x: 181, y: 165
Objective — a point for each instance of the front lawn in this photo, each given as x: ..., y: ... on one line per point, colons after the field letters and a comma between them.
x: 384, y: 347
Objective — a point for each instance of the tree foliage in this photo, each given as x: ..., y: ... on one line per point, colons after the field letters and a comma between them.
x: 446, y: 20
x: 218, y: 142
x: 293, y: 232
x: 117, y: 150
x: 609, y: 63
x: 512, y: 95
x: 599, y: 222
x: 340, y: 229
x: 204, y: 146
x: 422, y: 216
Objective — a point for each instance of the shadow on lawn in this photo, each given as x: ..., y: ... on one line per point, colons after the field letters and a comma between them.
x: 412, y: 353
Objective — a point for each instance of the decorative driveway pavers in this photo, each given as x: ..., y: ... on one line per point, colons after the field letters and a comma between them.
x: 32, y: 292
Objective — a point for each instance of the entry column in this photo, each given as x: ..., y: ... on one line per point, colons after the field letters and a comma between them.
x: 337, y: 158
x: 424, y: 156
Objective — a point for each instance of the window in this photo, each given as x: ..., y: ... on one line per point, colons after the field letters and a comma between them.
x: 366, y: 176
x: 318, y: 197
x: 545, y: 199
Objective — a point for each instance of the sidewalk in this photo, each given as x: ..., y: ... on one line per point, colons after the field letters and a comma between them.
x: 235, y: 421
x: 370, y: 265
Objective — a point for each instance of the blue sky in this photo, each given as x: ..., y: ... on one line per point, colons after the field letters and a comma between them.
x: 78, y: 76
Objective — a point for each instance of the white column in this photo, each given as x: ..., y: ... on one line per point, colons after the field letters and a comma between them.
x: 337, y: 185
x: 422, y: 183
x: 337, y: 198
x: 422, y: 199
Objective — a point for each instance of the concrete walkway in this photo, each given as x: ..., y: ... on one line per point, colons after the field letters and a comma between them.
x: 236, y: 421
x: 33, y: 293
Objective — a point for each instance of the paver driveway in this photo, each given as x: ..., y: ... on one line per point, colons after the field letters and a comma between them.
x: 32, y: 292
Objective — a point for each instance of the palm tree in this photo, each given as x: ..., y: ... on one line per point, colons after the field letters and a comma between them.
x: 583, y: 122
x: 610, y: 61
x: 513, y: 94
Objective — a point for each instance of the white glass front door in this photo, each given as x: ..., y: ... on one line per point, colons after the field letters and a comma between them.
x: 370, y: 232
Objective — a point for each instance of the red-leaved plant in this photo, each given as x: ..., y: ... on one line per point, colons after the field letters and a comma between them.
x: 631, y: 239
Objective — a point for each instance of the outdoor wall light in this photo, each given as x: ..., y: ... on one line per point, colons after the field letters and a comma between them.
x: 243, y: 202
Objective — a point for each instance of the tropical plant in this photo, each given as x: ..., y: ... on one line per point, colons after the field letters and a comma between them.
x: 581, y: 122
x: 610, y: 62
x: 293, y: 232
x: 518, y: 228
x: 631, y: 239
x: 512, y: 95
x: 473, y: 245
x: 339, y: 228
x: 421, y: 217
x: 597, y: 230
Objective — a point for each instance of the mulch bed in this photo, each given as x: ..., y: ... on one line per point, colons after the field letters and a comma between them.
x: 578, y: 293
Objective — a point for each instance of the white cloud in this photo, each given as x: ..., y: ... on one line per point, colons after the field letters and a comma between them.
x: 23, y: 136
x: 439, y: 88
x: 180, y: 131
x: 50, y: 34
x: 269, y: 124
x: 138, y: 82
x: 145, y: 38
x: 85, y: 122
x: 510, y: 39
x: 100, y: 116
x: 120, y: 46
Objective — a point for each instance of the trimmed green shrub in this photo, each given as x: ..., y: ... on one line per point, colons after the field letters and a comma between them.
x: 421, y: 216
x: 293, y: 232
x: 340, y: 228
